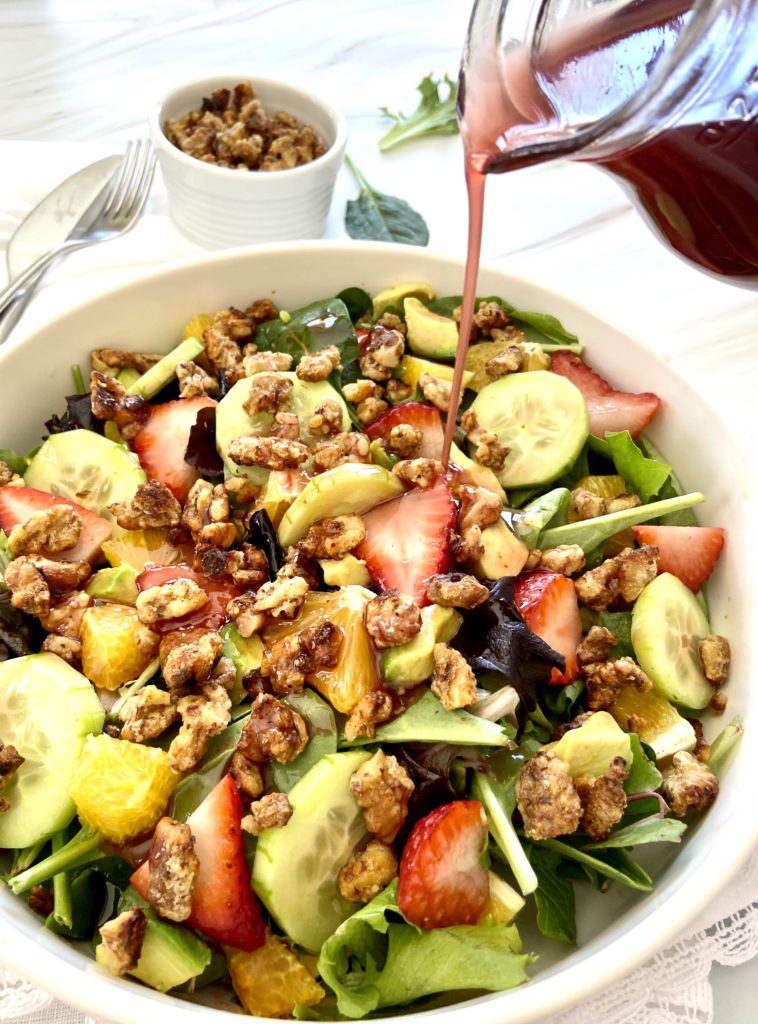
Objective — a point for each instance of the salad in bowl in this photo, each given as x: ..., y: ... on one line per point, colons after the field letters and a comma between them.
x: 297, y: 719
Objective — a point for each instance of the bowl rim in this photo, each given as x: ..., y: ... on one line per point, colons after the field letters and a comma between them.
x: 208, y: 81
x: 666, y: 918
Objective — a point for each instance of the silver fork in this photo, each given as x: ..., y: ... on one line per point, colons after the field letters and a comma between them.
x: 112, y: 212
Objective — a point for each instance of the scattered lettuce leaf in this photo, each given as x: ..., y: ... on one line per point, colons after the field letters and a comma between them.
x: 18, y: 463
x: 78, y: 416
x: 620, y: 624
x: 435, y: 114
x: 546, y: 325
x: 553, y: 897
x: 322, y: 730
x: 382, y: 218
x: 546, y: 510
x: 615, y: 865
x: 201, y: 451
x: 433, y: 768
x: 671, y: 489
x: 724, y: 744
x: 499, y: 801
x: 643, y: 476
x: 357, y: 302
x: 648, y: 830
x: 315, y: 326
x: 643, y: 776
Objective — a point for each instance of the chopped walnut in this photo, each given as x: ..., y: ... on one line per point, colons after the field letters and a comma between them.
x: 491, y: 316
x: 621, y: 502
x: 10, y: 762
x: 404, y: 441
x: 371, y: 409
x: 341, y: 448
x: 382, y: 788
x: 456, y: 590
x: 272, y: 732
x: 489, y: 452
x: 49, y: 532
x: 246, y: 774
x: 241, y: 489
x: 392, y: 619
x: 718, y: 703
x: 169, y: 601
x: 65, y: 617
x: 688, y: 785
x: 203, y: 716
x: 714, y: 658
x: 397, y: 390
x: 509, y: 360
x: 453, y: 682
x: 253, y: 572
x: 479, y: 507
x: 41, y: 900
x: 269, y: 392
x: 436, y: 391
x: 286, y: 426
x: 467, y: 546
x: 605, y: 680
x: 61, y: 575
x: 260, y: 362
x: 547, y: 798
x: 283, y: 597
x: 367, y: 872
x: 217, y: 561
x: 120, y: 950
x: 147, y: 715
x: 382, y: 353
x: 567, y: 559
x: 205, y: 504
x: 230, y: 329
x: 333, y: 537
x: 371, y: 710
x: 194, y: 382
x: 187, y: 656
x: 66, y: 647
x: 362, y: 389
x: 173, y: 870
x: 583, y: 504
x: 217, y: 537
x: 272, y: 811
x: 596, y: 645
x: 110, y: 401
x: 418, y: 472
x: 288, y: 661
x: 111, y: 360
x: 326, y: 418
x: 299, y: 564
x: 152, y: 506
x: 318, y: 365
x: 7, y: 475
x: 269, y: 452
x: 29, y: 590
x: 244, y: 615
x: 623, y: 576
x: 603, y: 799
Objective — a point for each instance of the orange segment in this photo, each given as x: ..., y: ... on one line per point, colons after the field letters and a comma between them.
x: 116, y: 647
x: 195, y: 327
x: 138, y: 547
x: 271, y: 980
x: 355, y: 674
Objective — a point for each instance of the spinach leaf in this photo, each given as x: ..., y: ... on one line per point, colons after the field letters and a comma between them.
x: 548, y: 508
x: 434, y: 115
x: 620, y: 624
x: 382, y: 218
x: 612, y: 864
x: 18, y: 463
x: 644, y: 476
x: 554, y: 896
x: 357, y: 301
x: 560, y: 701
x: 310, y: 329
x: 446, y: 305
x: 648, y: 830
x: 643, y: 776
x: 547, y: 325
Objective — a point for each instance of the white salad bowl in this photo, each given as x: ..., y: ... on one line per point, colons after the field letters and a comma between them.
x: 618, y: 930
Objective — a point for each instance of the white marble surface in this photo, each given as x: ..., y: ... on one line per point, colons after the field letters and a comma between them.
x: 87, y: 71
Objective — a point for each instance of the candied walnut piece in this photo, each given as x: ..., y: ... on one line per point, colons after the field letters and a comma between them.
x: 49, y: 532
x: 147, y: 715
x: 244, y: 615
x: 623, y: 576
x: 371, y: 710
x: 547, y: 798
x: 122, y: 938
x: 491, y: 316
x: 152, y: 506
x: 288, y: 661
x: 604, y: 681
x: 7, y: 475
x: 247, y: 775
x: 205, y: 504
x: 436, y: 391
x: 29, y: 590
x: 173, y: 870
x: 362, y: 389
x: 382, y: 788
x: 688, y: 785
x: 340, y: 448
x: 509, y: 360
x: 371, y: 409
x: 456, y: 590
x: 65, y: 617
x: 269, y: 452
x: 367, y: 872
x: 467, y: 546
x: 188, y: 655
x: 62, y: 575
x: 110, y: 401
x: 111, y: 360
x: 283, y: 597
x: 418, y: 472
x: 596, y: 645
x: 272, y: 732
x: 317, y: 366
x: 392, y: 619
x: 567, y: 559
x: 269, y: 392
x: 382, y: 353
x: 326, y: 419
x: 194, y: 382
x: 489, y: 452
x: 397, y: 390
x: 714, y: 658
x: 169, y: 601
x: 203, y: 716
x: 272, y: 811
x: 453, y: 682
x: 230, y: 329
x: 621, y: 502
x: 479, y: 507
x: 603, y: 799
x: 66, y: 647
x: 10, y: 762
x: 333, y: 537
x: 259, y: 362
x: 583, y: 504
x: 404, y: 441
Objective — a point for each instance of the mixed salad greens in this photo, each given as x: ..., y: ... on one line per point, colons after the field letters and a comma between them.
x: 290, y: 708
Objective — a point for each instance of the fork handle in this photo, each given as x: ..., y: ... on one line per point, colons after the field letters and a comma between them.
x: 34, y: 270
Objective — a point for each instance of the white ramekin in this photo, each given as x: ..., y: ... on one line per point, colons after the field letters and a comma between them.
x: 220, y: 207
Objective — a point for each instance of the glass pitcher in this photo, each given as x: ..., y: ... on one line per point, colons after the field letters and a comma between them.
x: 663, y: 94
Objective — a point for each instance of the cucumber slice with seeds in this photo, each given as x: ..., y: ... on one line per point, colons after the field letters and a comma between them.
x: 541, y: 417
x: 667, y: 623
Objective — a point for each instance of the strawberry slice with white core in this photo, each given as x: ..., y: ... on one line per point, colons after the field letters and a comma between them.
x: 689, y: 552
x: 224, y: 907
x: 17, y: 504
x: 162, y: 443
x: 609, y: 410
x: 441, y: 878
x: 408, y: 539
x: 420, y: 415
x: 548, y: 604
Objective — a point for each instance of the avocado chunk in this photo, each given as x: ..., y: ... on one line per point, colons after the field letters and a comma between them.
x: 170, y: 955
x: 429, y: 334
x: 380, y: 456
x: 352, y: 487
x: 411, y: 368
x: 590, y: 749
x: 116, y: 584
x: 279, y: 491
x: 504, y: 554
x: 157, y: 377
x: 246, y: 653
x: 345, y: 572
x: 396, y: 295
x: 413, y: 662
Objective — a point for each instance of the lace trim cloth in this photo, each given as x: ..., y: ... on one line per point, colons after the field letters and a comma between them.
x: 671, y: 988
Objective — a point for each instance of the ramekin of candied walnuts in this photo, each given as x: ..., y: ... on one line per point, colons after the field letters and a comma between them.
x: 247, y: 160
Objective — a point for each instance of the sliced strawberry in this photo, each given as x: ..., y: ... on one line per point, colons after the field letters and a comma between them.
x: 441, y: 879
x: 224, y: 906
x: 162, y: 443
x: 689, y: 552
x: 548, y: 604
x: 420, y: 415
x: 18, y: 503
x: 212, y: 615
x: 408, y: 539
x: 609, y: 409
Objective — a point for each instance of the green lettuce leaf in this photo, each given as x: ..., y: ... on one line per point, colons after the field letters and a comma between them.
x: 643, y: 476
x: 643, y: 777
x: 649, y: 830
x: 554, y: 896
x: 434, y: 115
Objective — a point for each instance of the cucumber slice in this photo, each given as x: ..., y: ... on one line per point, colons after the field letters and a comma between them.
x: 667, y: 623
x: 295, y: 869
x: 47, y: 709
x: 87, y: 468
x: 164, y: 371
x: 541, y: 417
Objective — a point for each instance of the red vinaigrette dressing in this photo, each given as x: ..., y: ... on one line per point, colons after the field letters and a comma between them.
x: 696, y: 182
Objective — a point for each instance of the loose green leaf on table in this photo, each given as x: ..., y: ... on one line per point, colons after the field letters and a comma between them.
x: 435, y: 114
x: 306, y: 330
x: 554, y: 896
x: 382, y: 218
